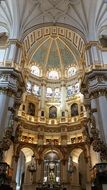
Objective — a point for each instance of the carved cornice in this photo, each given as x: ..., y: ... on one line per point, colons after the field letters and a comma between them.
x: 94, y: 43
x: 90, y: 44
x: 6, y: 91
x: 16, y: 42
x: 98, y: 93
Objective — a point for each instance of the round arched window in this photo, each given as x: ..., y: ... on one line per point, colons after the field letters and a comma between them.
x: 71, y: 71
x: 29, y: 86
x: 49, y: 92
x: 36, y: 90
x: 35, y: 70
x: 53, y: 75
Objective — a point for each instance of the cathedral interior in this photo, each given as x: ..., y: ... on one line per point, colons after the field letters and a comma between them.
x: 53, y: 94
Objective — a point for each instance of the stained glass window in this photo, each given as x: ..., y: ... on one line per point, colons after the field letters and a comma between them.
x: 35, y: 70
x: 49, y: 92
x: 57, y: 93
x: 77, y: 88
x: 71, y: 71
x: 74, y: 89
x: 36, y: 90
x: 70, y: 90
x: 53, y: 75
x: 29, y: 86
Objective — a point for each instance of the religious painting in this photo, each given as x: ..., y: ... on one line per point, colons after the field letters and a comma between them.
x: 52, y: 112
x: 31, y: 109
x: 74, y: 109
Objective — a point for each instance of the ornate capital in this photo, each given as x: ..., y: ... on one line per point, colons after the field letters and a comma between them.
x: 94, y: 83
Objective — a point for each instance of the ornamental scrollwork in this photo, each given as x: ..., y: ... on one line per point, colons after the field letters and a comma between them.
x: 97, y: 143
x: 18, y: 133
x: 5, y: 142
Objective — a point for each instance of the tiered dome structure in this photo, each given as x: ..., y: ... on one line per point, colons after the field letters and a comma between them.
x: 53, y: 88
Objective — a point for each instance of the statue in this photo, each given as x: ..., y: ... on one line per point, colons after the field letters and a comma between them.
x: 70, y: 164
x: 3, y: 38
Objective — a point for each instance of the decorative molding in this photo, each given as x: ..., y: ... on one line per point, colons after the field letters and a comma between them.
x: 15, y: 41
x: 40, y: 33
x: 95, y: 83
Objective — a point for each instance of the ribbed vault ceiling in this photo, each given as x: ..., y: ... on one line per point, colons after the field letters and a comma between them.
x: 87, y: 16
x: 55, y: 53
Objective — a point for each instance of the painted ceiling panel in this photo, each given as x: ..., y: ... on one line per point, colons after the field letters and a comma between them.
x: 71, y: 46
x: 54, y: 53
x: 66, y: 54
x: 54, y: 57
x: 41, y: 52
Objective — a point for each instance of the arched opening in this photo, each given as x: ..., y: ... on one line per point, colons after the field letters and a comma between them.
x: 23, y: 176
x: 51, y: 168
x: 78, y: 169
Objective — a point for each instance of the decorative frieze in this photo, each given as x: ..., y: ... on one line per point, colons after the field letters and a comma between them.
x: 38, y: 34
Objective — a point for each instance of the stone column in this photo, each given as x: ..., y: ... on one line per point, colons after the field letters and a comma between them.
x: 102, y: 114
x: 64, y: 171
x: 13, y: 54
x: 87, y: 158
x: 93, y: 54
x: 11, y: 89
x: 39, y: 172
x: 63, y: 96
x: 95, y: 85
x: 5, y: 115
x: 14, y: 167
x: 43, y: 96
